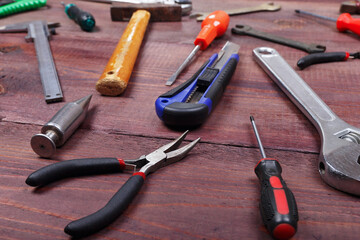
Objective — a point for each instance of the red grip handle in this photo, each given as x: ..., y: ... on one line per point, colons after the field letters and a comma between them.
x: 346, y: 22
x: 214, y: 25
x: 277, y: 203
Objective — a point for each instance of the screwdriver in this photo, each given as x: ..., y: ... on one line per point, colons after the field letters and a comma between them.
x: 277, y: 203
x: 214, y: 25
x: 84, y: 19
x: 343, y: 23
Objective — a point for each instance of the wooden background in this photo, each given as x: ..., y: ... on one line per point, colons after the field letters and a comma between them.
x: 213, y: 193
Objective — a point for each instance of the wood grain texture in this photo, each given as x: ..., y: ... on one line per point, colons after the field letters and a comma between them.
x: 213, y: 193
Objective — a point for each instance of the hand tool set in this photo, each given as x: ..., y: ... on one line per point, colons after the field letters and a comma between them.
x: 149, y: 163
x: 189, y: 104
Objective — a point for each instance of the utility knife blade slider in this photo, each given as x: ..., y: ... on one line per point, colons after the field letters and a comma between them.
x: 191, y: 103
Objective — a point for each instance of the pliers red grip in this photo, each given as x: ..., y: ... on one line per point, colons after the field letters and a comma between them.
x: 161, y: 157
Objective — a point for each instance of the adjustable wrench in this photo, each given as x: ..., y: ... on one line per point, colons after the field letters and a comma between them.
x: 39, y: 33
x: 269, y: 7
x: 247, y: 30
x: 340, y: 150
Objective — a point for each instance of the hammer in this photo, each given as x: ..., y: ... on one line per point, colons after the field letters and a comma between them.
x: 117, y: 72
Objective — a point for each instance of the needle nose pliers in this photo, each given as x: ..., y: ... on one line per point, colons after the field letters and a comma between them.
x: 159, y: 158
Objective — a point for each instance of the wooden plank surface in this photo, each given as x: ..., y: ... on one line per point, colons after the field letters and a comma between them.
x: 213, y: 193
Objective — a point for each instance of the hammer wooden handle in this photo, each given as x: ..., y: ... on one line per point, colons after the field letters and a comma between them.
x: 117, y: 72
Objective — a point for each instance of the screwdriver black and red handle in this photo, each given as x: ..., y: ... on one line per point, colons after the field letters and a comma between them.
x: 277, y: 203
x: 78, y: 167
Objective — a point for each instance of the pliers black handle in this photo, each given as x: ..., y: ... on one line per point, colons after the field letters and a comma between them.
x: 161, y: 157
x: 326, y: 57
x: 77, y: 167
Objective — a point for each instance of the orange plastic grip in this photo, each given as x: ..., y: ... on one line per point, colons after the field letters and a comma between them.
x: 346, y: 22
x: 117, y: 72
x: 214, y: 25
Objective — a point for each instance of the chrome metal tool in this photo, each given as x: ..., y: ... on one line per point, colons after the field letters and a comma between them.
x: 60, y: 127
x: 265, y: 7
x: 249, y: 31
x: 339, y: 161
x: 38, y: 32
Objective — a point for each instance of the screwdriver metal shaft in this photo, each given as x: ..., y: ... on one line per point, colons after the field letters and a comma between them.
x: 315, y: 15
x: 262, y: 151
x: 214, y: 25
x: 187, y: 61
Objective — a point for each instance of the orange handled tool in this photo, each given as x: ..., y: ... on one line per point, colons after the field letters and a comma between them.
x: 213, y: 26
x: 117, y: 72
x: 343, y: 23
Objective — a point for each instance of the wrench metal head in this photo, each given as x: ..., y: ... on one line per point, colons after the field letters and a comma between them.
x: 339, y: 161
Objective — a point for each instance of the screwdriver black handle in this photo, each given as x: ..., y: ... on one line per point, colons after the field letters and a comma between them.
x: 322, y: 58
x: 74, y: 168
x: 110, y: 212
x: 84, y: 19
x: 277, y: 204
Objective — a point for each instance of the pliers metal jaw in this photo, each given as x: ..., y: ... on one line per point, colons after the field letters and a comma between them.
x: 149, y: 163
x: 167, y: 154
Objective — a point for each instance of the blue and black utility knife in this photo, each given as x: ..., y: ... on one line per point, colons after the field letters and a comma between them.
x: 190, y: 103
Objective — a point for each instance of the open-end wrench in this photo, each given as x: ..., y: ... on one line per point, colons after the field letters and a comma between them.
x: 340, y: 150
x: 247, y: 30
x: 270, y: 7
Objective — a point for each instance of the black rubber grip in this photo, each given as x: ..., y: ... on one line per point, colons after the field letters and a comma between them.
x: 217, y: 88
x: 182, y: 114
x: 84, y: 19
x: 277, y: 203
x: 108, y: 214
x: 321, y: 58
x: 73, y: 168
